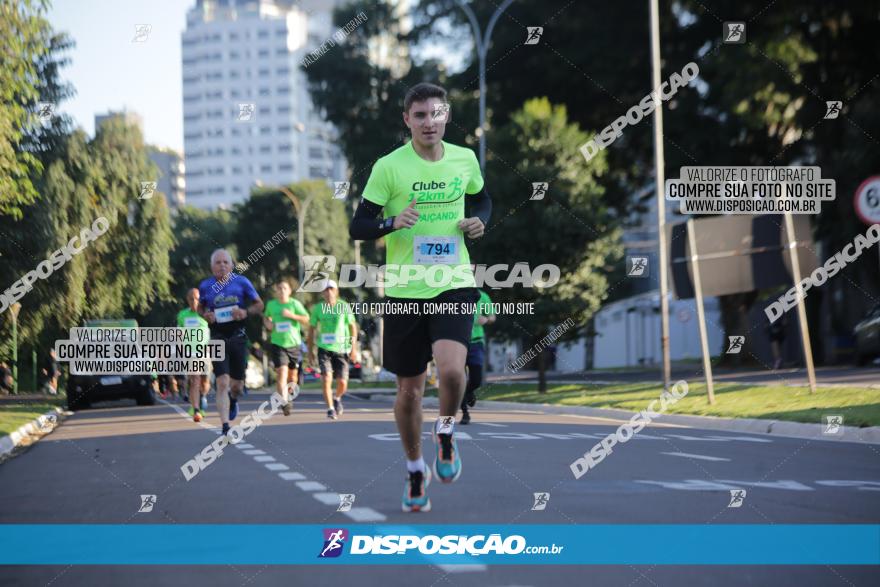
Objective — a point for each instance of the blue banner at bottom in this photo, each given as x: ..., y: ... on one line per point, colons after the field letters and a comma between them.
x: 359, y: 544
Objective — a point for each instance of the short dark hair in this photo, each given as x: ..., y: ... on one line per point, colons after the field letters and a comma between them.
x: 421, y: 92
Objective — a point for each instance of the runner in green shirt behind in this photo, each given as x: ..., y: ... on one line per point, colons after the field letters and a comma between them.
x: 476, y: 354
x: 335, y: 329
x: 285, y: 317
x: 197, y: 386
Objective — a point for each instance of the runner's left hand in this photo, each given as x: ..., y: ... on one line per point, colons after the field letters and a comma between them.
x: 472, y: 227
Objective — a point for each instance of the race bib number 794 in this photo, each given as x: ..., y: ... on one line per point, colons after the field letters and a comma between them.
x: 433, y: 250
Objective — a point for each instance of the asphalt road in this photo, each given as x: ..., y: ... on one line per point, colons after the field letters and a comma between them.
x: 96, y: 465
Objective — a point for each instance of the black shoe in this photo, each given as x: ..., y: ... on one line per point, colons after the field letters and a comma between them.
x: 225, y: 428
x: 331, y: 414
x: 470, y: 398
x: 465, y: 417
x: 337, y: 405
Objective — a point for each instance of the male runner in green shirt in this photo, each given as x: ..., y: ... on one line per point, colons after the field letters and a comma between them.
x: 416, y: 199
x: 335, y: 329
x: 476, y: 355
x: 197, y: 386
x: 284, y: 317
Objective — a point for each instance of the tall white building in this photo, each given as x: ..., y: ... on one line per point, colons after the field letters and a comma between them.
x: 247, y: 114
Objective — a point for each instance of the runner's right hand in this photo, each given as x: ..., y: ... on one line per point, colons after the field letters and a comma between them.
x: 209, y: 316
x: 407, y: 217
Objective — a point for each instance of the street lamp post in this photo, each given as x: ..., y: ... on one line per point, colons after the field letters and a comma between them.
x: 482, y: 44
x: 15, y: 309
x: 301, y: 209
x: 659, y: 182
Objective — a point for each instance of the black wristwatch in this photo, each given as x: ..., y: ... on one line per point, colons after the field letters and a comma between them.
x: 388, y: 224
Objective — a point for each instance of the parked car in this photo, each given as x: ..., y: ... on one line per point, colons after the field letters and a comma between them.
x: 868, y: 336
x: 83, y: 390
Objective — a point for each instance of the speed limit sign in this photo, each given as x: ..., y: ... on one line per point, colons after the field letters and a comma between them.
x: 867, y: 200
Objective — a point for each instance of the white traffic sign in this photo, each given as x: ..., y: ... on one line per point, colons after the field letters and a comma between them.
x: 867, y: 200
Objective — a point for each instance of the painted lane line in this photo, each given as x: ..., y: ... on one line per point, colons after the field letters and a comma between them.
x: 292, y: 476
x: 255, y: 452
x: 493, y: 424
x: 693, y: 456
x: 327, y: 498
x: 310, y: 486
x: 364, y: 515
x: 244, y: 446
x: 276, y: 466
x: 462, y: 568
x: 264, y: 459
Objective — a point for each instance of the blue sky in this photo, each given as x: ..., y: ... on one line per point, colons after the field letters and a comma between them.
x: 110, y: 72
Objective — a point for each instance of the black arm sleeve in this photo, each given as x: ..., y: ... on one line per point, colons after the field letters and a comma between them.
x: 479, y: 205
x: 366, y: 225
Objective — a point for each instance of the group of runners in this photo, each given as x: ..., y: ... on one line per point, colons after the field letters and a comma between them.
x: 419, y: 227
x: 221, y: 305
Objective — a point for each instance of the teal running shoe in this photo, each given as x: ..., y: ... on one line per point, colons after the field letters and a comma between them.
x: 447, y: 464
x: 415, y: 494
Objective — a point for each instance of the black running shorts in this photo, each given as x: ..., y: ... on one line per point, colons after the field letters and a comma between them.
x: 282, y: 357
x: 409, y: 334
x: 335, y: 364
x: 234, y: 363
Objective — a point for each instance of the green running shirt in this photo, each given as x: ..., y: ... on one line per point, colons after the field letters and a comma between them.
x: 484, y: 308
x: 191, y: 319
x: 440, y: 188
x: 332, y: 326
x: 286, y: 332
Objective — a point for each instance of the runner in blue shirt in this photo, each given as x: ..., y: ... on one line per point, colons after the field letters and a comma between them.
x: 225, y: 301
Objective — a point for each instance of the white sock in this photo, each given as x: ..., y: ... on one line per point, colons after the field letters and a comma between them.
x: 413, y: 466
x: 445, y: 425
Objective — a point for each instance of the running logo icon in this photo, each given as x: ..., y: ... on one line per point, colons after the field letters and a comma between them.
x: 346, y: 500
x: 147, y: 503
x: 334, y: 542
x: 833, y: 425
x: 340, y: 190
x: 318, y: 270
x: 147, y: 189
x: 735, y: 344
x: 736, y: 498
x: 48, y: 423
x: 734, y: 33
x: 541, y: 500
x: 539, y: 190
x: 533, y: 34
x: 45, y: 111
x: 638, y: 266
x: 445, y: 425
x: 440, y: 112
x: 246, y: 112
x: 832, y: 109
x: 141, y: 33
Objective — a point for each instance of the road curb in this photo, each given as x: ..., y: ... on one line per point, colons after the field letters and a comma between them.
x: 869, y: 435
x: 32, y: 430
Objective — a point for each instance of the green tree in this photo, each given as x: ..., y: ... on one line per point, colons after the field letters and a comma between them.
x: 269, y: 211
x: 570, y: 227
x: 198, y: 233
x: 29, y: 65
x: 123, y: 272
